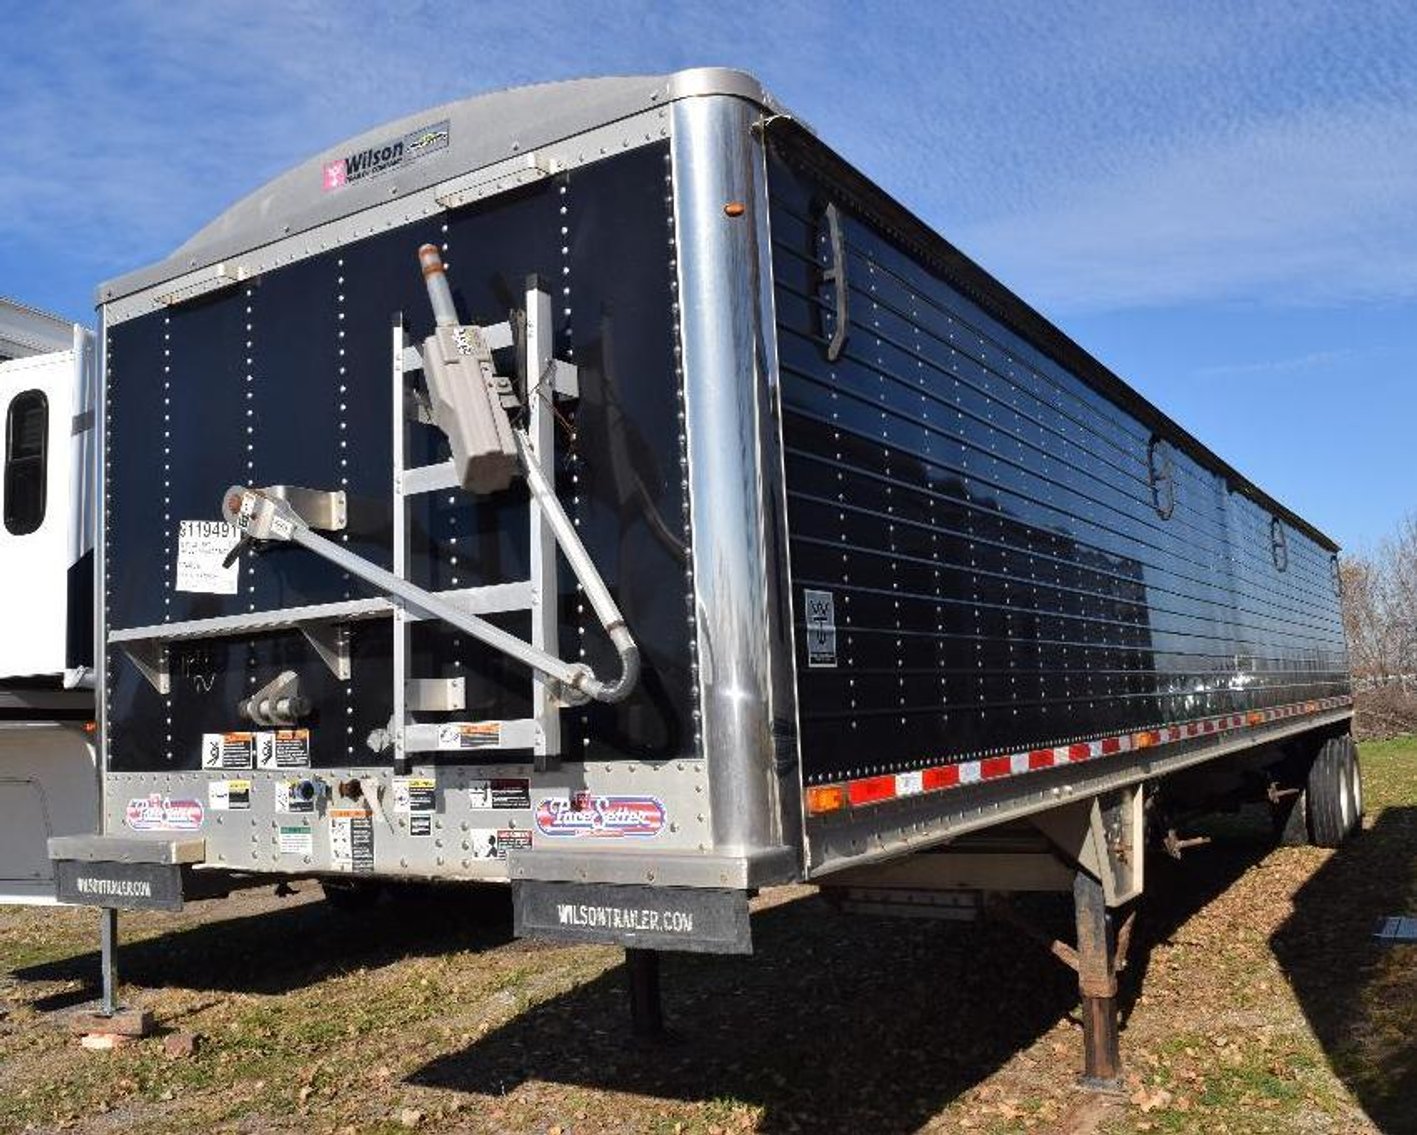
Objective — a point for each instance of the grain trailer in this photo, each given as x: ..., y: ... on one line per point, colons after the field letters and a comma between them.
x: 603, y: 488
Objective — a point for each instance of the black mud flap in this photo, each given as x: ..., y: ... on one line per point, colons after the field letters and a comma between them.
x: 123, y: 886
x: 695, y: 919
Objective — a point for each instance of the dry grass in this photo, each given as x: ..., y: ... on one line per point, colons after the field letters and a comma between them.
x: 1263, y: 1006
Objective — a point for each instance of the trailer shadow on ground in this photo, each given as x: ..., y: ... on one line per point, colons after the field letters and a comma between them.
x: 291, y: 947
x: 837, y: 1022
x: 1357, y: 994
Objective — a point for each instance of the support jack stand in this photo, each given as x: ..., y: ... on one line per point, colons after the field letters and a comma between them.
x: 646, y: 1008
x: 111, y: 1024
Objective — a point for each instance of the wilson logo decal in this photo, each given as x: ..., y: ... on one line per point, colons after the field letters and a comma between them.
x: 386, y: 156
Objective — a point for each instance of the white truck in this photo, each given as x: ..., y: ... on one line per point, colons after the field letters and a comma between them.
x: 48, y: 777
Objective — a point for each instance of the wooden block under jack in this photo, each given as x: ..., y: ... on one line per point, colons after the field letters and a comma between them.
x: 125, y: 1022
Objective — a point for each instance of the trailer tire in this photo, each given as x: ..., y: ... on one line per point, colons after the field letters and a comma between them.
x: 1328, y: 795
x: 353, y: 896
x: 1354, y: 769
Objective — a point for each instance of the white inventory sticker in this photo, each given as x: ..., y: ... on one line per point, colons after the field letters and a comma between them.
x: 202, y: 545
x: 821, y: 627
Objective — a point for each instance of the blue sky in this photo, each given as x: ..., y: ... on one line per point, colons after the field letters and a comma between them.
x: 1218, y: 200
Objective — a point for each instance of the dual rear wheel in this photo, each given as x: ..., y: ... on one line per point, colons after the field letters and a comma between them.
x: 1333, y: 795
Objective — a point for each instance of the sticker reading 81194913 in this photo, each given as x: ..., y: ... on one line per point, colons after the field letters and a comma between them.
x: 612, y: 817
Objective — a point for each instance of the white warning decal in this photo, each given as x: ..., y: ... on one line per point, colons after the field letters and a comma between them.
x: 351, y: 840
x: 228, y: 750
x: 296, y: 839
x: 821, y: 628
x: 229, y: 795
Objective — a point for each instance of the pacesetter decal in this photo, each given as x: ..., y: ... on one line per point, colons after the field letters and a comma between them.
x: 159, y: 813
x: 587, y: 815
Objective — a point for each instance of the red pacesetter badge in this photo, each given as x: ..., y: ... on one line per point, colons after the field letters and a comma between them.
x: 159, y: 813
x: 613, y: 817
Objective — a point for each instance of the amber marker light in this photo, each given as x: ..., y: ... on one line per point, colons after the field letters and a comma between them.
x: 825, y: 798
x: 735, y: 209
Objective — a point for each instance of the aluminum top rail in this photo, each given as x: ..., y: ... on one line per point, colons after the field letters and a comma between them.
x: 456, y: 138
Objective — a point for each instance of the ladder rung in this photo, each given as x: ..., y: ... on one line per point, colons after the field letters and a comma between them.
x: 254, y: 622
x: 429, y: 479
x: 489, y: 600
x: 469, y: 736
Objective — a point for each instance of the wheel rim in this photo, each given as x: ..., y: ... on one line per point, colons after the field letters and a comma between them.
x: 1345, y: 793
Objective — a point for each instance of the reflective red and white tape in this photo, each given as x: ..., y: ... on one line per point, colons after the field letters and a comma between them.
x: 874, y: 789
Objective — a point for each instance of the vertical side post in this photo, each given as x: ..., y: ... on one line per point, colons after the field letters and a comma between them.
x: 727, y: 357
x: 1097, y: 982
x: 108, y: 958
x: 646, y: 1009
x: 400, y: 614
x: 542, y: 435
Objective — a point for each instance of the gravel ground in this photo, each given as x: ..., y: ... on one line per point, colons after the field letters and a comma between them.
x: 1255, y: 1001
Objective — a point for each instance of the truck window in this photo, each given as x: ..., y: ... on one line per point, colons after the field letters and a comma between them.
x: 26, y: 454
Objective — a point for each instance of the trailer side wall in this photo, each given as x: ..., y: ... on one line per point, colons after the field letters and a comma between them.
x: 997, y: 557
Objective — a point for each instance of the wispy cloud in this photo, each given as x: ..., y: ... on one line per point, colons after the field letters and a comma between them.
x: 1096, y: 156
x: 1314, y: 207
x: 1265, y: 368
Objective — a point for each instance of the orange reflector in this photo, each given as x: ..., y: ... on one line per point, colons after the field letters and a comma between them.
x: 735, y: 208
x: 90, y: 726
x: 1256, y: 718
x: 1144, y: 740
x: 826, y: 798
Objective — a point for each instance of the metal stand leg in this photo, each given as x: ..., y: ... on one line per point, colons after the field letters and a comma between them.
x: 108, y: 946
x: 646, y: 1012
x: 1097, y: 981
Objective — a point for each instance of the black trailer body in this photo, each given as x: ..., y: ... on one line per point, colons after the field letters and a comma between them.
x: 1010, y: 573
x: 900, y: 561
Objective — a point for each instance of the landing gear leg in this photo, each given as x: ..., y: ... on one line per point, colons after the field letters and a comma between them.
x: 110, y: 1020
x: 1097, y: 981
x: 646, y: 1010
x: 108, y: 951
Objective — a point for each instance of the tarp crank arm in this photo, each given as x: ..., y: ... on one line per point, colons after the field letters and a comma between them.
x: 260, y: 516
